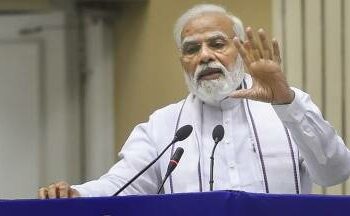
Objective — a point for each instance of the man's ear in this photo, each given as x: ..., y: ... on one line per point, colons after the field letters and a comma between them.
x: 182, y: 62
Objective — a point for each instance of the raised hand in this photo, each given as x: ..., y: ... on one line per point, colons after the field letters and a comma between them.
x: 264, y: 65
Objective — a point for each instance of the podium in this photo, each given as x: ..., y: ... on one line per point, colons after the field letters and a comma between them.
x: 217, y: 203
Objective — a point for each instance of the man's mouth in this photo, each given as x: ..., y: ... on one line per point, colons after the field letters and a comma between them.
x: 210, y: 73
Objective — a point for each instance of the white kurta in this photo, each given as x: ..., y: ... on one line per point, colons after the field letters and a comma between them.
x: 257, y: 153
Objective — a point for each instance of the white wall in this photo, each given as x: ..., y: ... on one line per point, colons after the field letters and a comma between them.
x: 315, y: 36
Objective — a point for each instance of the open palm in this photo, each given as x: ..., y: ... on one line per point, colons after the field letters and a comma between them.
x: 264, y: 65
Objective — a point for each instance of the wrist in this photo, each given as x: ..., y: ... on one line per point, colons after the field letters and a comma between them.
x: 287, y: 99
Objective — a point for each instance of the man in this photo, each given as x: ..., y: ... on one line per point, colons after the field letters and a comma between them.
x: 276, y: 140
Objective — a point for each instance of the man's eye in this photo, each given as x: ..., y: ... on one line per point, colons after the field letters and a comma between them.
x: 217, y: 44
x: 191, y: 49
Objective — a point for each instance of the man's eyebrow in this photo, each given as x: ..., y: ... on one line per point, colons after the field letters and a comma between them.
x: 217, y: 34
x: 188, y: 40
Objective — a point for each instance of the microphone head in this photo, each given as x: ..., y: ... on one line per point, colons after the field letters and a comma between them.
x: 183, y: 133
x: 178, y: 154
x: 174, y: 161
x: 218, y: 133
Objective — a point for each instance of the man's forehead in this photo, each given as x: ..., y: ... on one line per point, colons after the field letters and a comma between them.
x: 206, y: 23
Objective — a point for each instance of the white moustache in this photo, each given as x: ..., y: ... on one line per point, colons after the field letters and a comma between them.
x: 206, y: 69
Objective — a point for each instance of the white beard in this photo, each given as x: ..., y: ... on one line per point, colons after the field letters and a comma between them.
x: 214, y: 91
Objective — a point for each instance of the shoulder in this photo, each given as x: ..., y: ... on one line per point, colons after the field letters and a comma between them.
x: 161, y: 124
x: 158, y: 129
x: 169, y: 111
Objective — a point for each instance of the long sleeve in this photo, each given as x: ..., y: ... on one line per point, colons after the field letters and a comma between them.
x: 326, y: 156
x: 137, y: 152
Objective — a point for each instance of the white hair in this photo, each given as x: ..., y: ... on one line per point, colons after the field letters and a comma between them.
x: 200, y: 9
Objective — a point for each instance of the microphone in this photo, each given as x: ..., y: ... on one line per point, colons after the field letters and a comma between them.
x: 218, y: 134
x: 180, y: 135
x: 172, y: 165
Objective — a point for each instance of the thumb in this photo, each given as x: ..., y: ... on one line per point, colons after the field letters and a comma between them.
x: 243, y: 93
x: 73, y: 193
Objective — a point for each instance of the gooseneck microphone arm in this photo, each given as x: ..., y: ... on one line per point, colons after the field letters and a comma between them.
x: 218, y: 134
x: 180, y: 135
x: 172, y: 165
x: 211, y: 181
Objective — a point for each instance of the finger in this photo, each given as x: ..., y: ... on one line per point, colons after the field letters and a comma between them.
x: 248, y: 47
x: 42, y: 193
x: 267, y: 52
x: 255, y: 47
x: 63, y: 189
x: 276, y: 51
x: 52, y: 191
x: 253, y: 94
x: 242, y: 51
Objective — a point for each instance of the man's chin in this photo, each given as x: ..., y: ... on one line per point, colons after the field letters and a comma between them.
x: 212, y: 99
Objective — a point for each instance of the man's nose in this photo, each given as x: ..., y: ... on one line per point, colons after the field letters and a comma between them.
x: 206, y: 55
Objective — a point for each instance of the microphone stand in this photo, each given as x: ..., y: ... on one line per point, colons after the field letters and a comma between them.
x: 144, y: 169
x: 211, y: 181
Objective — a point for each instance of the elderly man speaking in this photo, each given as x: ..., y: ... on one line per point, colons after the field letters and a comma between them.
x: 276, y: 140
